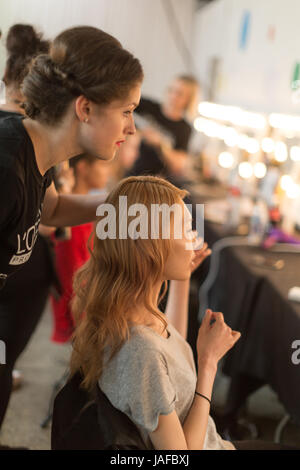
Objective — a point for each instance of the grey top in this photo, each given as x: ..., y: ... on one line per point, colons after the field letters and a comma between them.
x: 152, y: 375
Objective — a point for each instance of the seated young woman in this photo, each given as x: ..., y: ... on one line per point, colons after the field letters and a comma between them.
x: 137, y: 354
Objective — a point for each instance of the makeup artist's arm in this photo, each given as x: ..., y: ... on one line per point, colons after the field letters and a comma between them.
x: 66, y: 210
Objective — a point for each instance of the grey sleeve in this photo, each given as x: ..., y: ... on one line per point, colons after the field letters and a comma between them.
x: 145, y: 388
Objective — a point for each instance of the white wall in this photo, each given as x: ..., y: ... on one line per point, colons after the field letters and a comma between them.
x: 140, y: 25
x: 259, y: 76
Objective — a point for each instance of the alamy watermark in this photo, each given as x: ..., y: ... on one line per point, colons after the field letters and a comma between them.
x: 296, y: 354
x: 159, y: 218
x: 2, y: 352
x: 2, y: 92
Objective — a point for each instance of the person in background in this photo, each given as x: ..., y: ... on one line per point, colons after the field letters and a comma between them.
x: 23, y: 43
x: 165, y: 130
x: 89, y: 175
x: 32, y: 284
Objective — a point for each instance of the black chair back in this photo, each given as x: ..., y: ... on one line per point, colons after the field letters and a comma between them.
x: 84, y: 422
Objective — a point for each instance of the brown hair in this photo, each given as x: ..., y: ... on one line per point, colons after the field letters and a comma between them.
x: 118, y: 276
x: 23, y: 43
x: 82, y: 61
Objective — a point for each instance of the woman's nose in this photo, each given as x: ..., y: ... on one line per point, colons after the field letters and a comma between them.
x: 131, y: 128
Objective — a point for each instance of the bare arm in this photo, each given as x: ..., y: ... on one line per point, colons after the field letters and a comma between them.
x: 171, y: 435
x: 177, y: 305
x: 214, y: 340
x: 174, y: 159
x: 46, y: 231
x: 63, y: 210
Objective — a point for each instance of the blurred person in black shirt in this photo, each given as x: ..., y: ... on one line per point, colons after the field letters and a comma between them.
x: 165, y: 131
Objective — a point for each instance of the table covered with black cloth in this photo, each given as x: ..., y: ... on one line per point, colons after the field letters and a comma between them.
x: 254, y: 301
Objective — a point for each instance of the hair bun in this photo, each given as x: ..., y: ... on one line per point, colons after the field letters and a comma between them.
x: 47, y: 77
x: 23, y: 40
x: 31, y: 110
x: 52, y: 72
x: 81, y: 61
x: 23, y: 43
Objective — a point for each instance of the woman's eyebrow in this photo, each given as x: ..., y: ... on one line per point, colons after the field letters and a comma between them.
x: 135, y: 105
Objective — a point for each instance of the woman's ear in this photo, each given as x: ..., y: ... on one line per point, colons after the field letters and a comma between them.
x: 82, y: 108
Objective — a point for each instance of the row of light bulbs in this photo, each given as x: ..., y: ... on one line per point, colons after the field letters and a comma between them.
x: 232, y: 138
x: 238, y: 117
x: 243, y: 118
x: 246, y: 170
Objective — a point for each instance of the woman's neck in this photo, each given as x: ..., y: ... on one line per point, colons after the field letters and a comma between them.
x: 140, y: 315
x: 52, y: 145
x: 150, y: 321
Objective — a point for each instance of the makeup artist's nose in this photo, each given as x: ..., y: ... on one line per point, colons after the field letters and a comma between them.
x: 131, y: 127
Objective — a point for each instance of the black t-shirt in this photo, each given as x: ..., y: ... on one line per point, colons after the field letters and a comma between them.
x: 176, y: 133
x: 4, y: 114
x: 22, y: 191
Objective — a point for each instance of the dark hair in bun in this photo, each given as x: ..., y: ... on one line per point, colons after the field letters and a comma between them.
x: 82, y: 61
x: 23, y: 43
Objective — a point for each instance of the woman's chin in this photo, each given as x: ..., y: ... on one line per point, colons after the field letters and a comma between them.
x: 180, y: 277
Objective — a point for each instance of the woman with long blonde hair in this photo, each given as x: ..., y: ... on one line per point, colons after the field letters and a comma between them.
x: 137, y: 354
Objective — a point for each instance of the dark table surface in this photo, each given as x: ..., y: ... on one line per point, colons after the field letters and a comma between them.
x: 254, y: 300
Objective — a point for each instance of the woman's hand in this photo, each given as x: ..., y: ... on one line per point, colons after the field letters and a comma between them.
x: 200, y: 253
x: 215, y: 338
x: 200, y: 256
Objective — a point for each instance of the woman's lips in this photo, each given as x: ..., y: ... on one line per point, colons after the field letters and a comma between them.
x: 120, y: 142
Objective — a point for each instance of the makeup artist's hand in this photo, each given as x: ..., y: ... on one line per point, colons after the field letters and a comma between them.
x: 152, y: 136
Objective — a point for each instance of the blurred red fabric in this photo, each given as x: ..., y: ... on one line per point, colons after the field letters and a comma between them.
x: 70, y: 255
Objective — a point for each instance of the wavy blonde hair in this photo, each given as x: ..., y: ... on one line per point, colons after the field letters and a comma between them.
x: 119, y: 275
